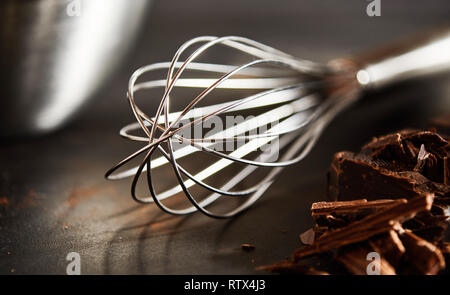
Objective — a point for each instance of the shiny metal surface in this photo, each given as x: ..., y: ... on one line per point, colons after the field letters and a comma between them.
x: 422, y: 55
x: 56, y: 54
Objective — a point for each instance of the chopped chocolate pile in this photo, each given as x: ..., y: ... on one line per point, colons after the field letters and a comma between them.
x: 391, y: 203
x: 405, y: 164
x: 363, y: 228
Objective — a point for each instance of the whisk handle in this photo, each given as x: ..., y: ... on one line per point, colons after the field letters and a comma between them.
x: 420, y: 55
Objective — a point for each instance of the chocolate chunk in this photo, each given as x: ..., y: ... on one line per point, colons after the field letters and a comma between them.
x: 354, y: 210
x: 320, y: 230
x: 380, y: 231
x: 308, y: 237
x: 441, y: 206
x: 355, y: 259
x: 391, y: 147
x: 403, y: 149
x: 381, y: 221
x: 341, y: 213
x: 428, y: 226
x: 445, y: 249
x: 394, y: 200
x: 404, y: 164
x: 356, y: 176
x: 389, y: 246
x: 446, y: 176
x: 290, y: 267
x: 422, y: 256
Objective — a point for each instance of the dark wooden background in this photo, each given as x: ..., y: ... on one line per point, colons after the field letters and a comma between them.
x: 54, y: 199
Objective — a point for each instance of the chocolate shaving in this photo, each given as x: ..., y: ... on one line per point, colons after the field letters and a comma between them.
x: 447, y: 170
x: 308, y: 237
x: 422, y: 256
x: 428, y: 226
x: 389, y: 246
x: 356, y: 262
x: 289, y: 267
x: 445, y: 247
x: 338, y: 214
x: 378, y: 222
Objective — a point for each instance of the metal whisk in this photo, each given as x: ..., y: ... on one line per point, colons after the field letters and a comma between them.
x: 299, y: 98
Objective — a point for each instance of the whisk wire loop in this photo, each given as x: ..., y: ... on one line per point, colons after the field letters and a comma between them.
x: 290, y: 86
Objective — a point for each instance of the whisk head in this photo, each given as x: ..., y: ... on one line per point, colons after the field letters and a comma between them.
x: 291, y: 102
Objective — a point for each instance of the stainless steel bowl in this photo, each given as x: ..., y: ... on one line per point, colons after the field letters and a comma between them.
x: 54, y: 54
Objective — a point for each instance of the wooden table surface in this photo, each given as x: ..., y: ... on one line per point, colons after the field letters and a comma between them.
x: 54, y: 199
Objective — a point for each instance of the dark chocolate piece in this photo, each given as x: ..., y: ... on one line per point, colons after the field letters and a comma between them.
x: 412, y: 169
x: 389, y: 246
x: 428, y: 226
x: 356, y: 176
x: 341, y: 213
x: 403, y: 149
x: 320, y: 230
x: 290, y: 267
x: 403, y: 164
x: 355, y: 261
x: 308, y: 237
x: 381, y: 221
x: 445, y: 249
x: 447, y: 170
x: 422, y: 256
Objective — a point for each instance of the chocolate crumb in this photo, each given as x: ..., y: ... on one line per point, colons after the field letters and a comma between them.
x: 307, y: 238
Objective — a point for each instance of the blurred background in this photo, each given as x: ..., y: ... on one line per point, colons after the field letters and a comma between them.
x: 64, y: 77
